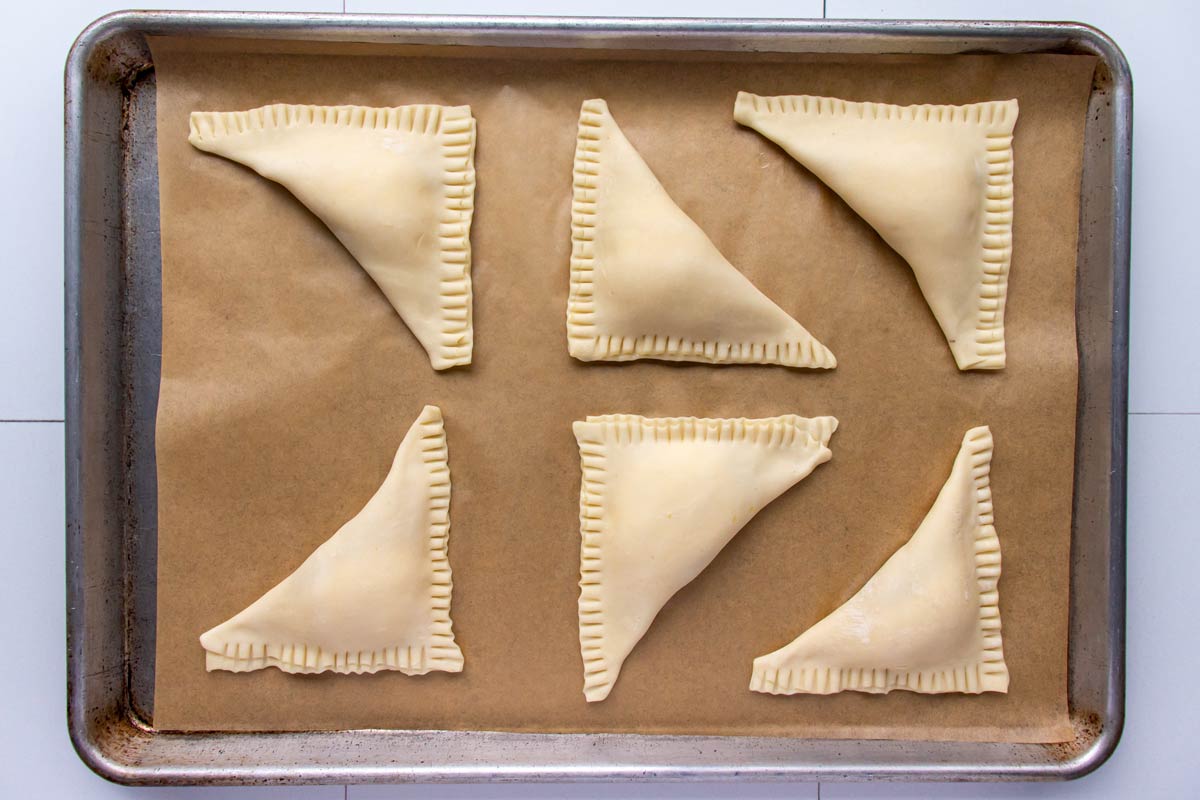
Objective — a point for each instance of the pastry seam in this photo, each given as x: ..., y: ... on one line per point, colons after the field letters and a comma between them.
x: 454, y: 128
x: 998, y: 118
x: 593, y: 457
x: 781, y: 430
x: 581, y: 301
x: 988, y: 673
x: 442, y: 653
x: 585, y: 343
x: 625, y: 429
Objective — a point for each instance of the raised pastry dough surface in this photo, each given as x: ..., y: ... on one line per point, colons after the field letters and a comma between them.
x: 928, y: 621
x: 645, y: 280
x: 395, y: 185
x: 376, y: 595
x: 658, y: 501
x: 936, y: 182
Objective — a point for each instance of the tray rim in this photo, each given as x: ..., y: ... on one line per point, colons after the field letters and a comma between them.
x: 610, y: 32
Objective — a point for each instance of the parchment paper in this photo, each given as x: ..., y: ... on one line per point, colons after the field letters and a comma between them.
x: 288, y: 381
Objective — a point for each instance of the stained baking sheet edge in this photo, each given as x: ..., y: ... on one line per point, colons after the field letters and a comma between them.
x: 112, y: 389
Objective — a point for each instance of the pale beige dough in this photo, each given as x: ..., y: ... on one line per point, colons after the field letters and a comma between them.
x: 645, y: 280
x: 659, y: 499
x: 396, y: 186
x: 376, y: 595
x: 936, y: 182
x: 928, y: 621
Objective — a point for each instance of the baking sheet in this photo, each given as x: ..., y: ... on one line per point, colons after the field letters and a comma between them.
x: 288, y: 380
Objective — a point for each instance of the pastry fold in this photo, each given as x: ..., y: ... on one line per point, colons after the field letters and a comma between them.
x: 645, y: 280
x: 928, y: 621
x: 658, y: 500
x: 376, y: 595
x: 396, y: 186
x: 936, y: 183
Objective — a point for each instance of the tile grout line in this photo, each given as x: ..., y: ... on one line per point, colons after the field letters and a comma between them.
x: 1164, y: 413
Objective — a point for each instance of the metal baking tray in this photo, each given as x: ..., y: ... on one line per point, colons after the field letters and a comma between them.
x: 113, y: 334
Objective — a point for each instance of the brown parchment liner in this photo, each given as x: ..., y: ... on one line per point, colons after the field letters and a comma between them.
x: 288, y: 381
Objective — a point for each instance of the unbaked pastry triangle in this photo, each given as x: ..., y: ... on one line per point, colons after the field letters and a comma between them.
x: 396, y: 186
x: 936, y: 182
x: 645, y: 280
x: 658, y: 500
x: 376, y: 595
x: 928, y: 621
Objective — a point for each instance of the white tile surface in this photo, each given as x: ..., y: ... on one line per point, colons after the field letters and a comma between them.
x: 609, y: 8
x: 31, y: 206
x: 36, y: 758
x: 1157, y: 38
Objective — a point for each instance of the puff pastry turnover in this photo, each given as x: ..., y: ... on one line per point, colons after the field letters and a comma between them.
x: 396, y: 186
x: 376, y: 595
x: 658, y: 501
x: 928, y: 621
x: 645, y: 280
x: 936, y: 182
